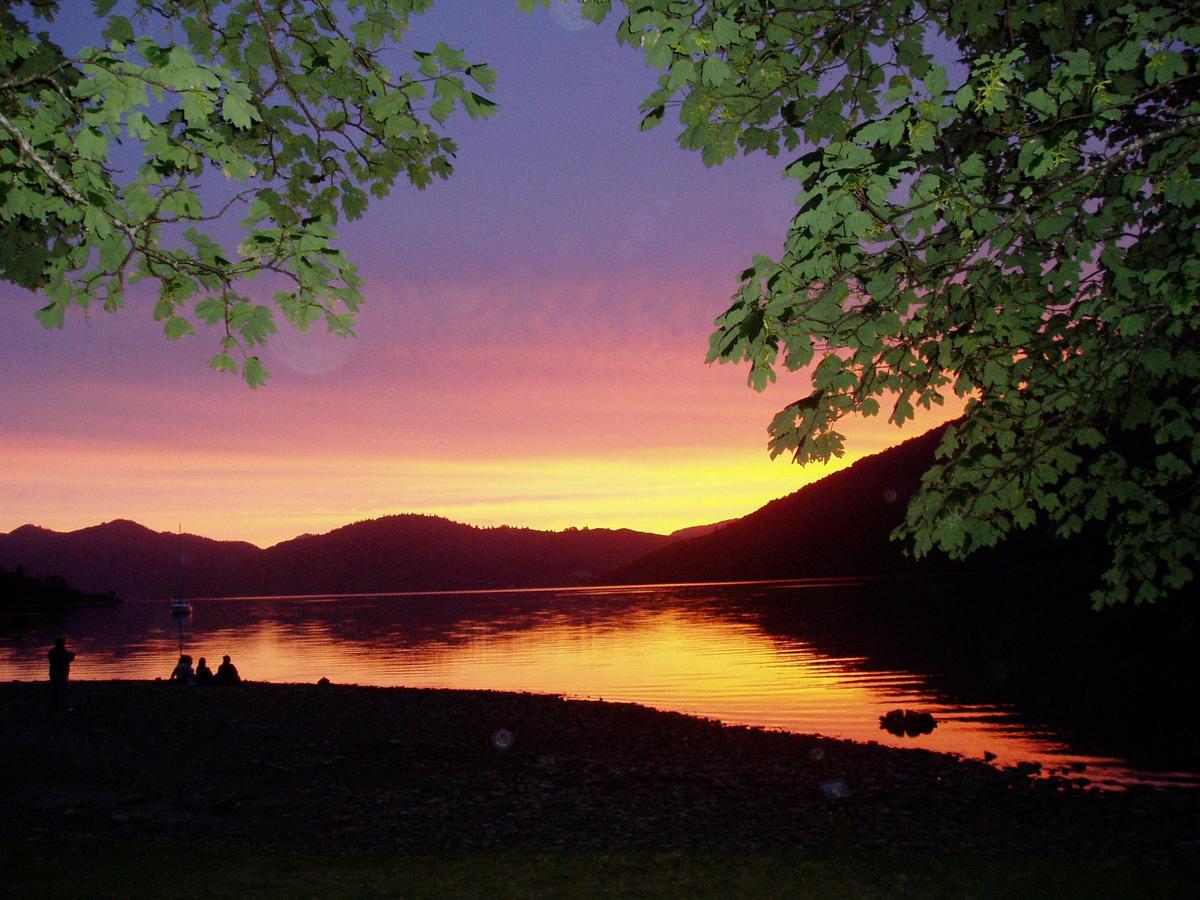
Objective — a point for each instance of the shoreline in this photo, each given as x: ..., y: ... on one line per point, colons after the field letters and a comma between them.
x: 347, y: 768
x: 1084, y: 768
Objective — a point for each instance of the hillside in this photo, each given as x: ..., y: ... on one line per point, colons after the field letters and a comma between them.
x: 836, y: 526
x: 127, y: 558
x: 840, y: 526
x: 395, y: 553
x: 412, y: 552
x: 21, y: 593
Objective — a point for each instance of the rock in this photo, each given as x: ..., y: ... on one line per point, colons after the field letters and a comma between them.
x: 907, y: 722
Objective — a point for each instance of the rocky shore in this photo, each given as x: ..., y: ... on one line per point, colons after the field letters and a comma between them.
x: 334, y: 768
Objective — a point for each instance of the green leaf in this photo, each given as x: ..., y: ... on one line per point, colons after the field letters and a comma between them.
x: 442, y: 109
x: 1124, y: 56
x: 238, y: 111
x: 652, y: 118
x: 715, y: 72
x: 210, y: 310
x: 176, y: 327
x: 223, y: 362
x: 197, y: 105
x: 253, y: 372
x: 994, y: 374
x: 683, y: 72
x: 478, y: 105
x: 119, y: 29
x: 91, y: 143
x: 51, y: 316
x: 1164, y: 66
x: 725, y: 31
x: 1042, y: 102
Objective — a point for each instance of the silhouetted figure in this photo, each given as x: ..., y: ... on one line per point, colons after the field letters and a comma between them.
x: 183, y: 673
x: 60, y: 671
x: 227, y: 673
x: 204, y: 675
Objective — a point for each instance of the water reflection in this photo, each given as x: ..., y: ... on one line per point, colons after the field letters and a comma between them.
x: 772, y: 655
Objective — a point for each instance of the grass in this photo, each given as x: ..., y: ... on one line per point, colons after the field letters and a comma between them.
x: 45, y: 867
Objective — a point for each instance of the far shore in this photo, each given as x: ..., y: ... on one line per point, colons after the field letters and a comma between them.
x: 345, y: 768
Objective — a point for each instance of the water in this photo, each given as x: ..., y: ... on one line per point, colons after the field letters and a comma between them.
x: 709, y: 650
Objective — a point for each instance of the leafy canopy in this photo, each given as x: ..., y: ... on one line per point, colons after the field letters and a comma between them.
x: 282, y: 112
x: 993, y: 198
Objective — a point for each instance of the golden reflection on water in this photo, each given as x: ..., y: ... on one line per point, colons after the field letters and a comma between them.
x: 683, y: 650
x: 702, y: 666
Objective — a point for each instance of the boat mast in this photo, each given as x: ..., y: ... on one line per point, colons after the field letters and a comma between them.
x: 179, y: 582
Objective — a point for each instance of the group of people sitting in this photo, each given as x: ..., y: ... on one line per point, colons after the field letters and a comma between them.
x: 183, y: 672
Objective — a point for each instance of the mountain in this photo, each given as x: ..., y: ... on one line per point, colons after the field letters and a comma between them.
x: 412, y: 552
x: 21, y: 593
x: 681, y: 534
x: 129, y: 559
x: 838, y: 526
x: 395, y: 553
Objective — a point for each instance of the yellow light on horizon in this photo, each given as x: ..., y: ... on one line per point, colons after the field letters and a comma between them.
x: 262, y: 500
x: 264, y: 497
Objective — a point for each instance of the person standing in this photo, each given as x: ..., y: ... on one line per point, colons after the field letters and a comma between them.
x: 60, y: 671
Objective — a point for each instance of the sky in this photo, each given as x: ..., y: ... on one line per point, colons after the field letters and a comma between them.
x: 531, y: 352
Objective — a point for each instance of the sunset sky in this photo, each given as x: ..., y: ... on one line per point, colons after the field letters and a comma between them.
x: 532, y: 350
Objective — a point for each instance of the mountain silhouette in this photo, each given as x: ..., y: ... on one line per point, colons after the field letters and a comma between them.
x: 838, y: 526
x: 841, y: 526
x: 413, y: 552
x: 20, y: 593
x: 130, y: 559
x: 394, y: 553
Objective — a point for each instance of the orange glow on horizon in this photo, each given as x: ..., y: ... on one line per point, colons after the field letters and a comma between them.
x: 264, y: 498
x: 564, y: 422
x: 263, y: 501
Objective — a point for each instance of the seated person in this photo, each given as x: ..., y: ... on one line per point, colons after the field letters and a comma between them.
x: 182, y: 673
x: 204, y: 674
x: 227, y: 673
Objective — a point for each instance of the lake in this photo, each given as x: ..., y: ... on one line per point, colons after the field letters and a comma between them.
x: 800, y: 656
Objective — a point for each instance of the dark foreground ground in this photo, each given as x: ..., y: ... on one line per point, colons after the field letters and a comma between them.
x: 339, y: 771
x: 396, y: 769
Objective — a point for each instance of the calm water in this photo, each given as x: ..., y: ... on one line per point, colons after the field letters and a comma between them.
x: 706, y: 650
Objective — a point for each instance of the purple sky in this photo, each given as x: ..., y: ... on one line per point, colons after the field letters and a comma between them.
x: 531, y: 351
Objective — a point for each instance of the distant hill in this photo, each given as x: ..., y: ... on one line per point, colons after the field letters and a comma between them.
x: 838, y: 526
x: 681, y: 534
x: 129, y: 559
x: 395, y: 553
x: 21, y: 593
x: 413, y: 552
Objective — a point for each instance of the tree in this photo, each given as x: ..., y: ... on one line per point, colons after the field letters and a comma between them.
x: 997, y: 199
x: 281, y: 111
